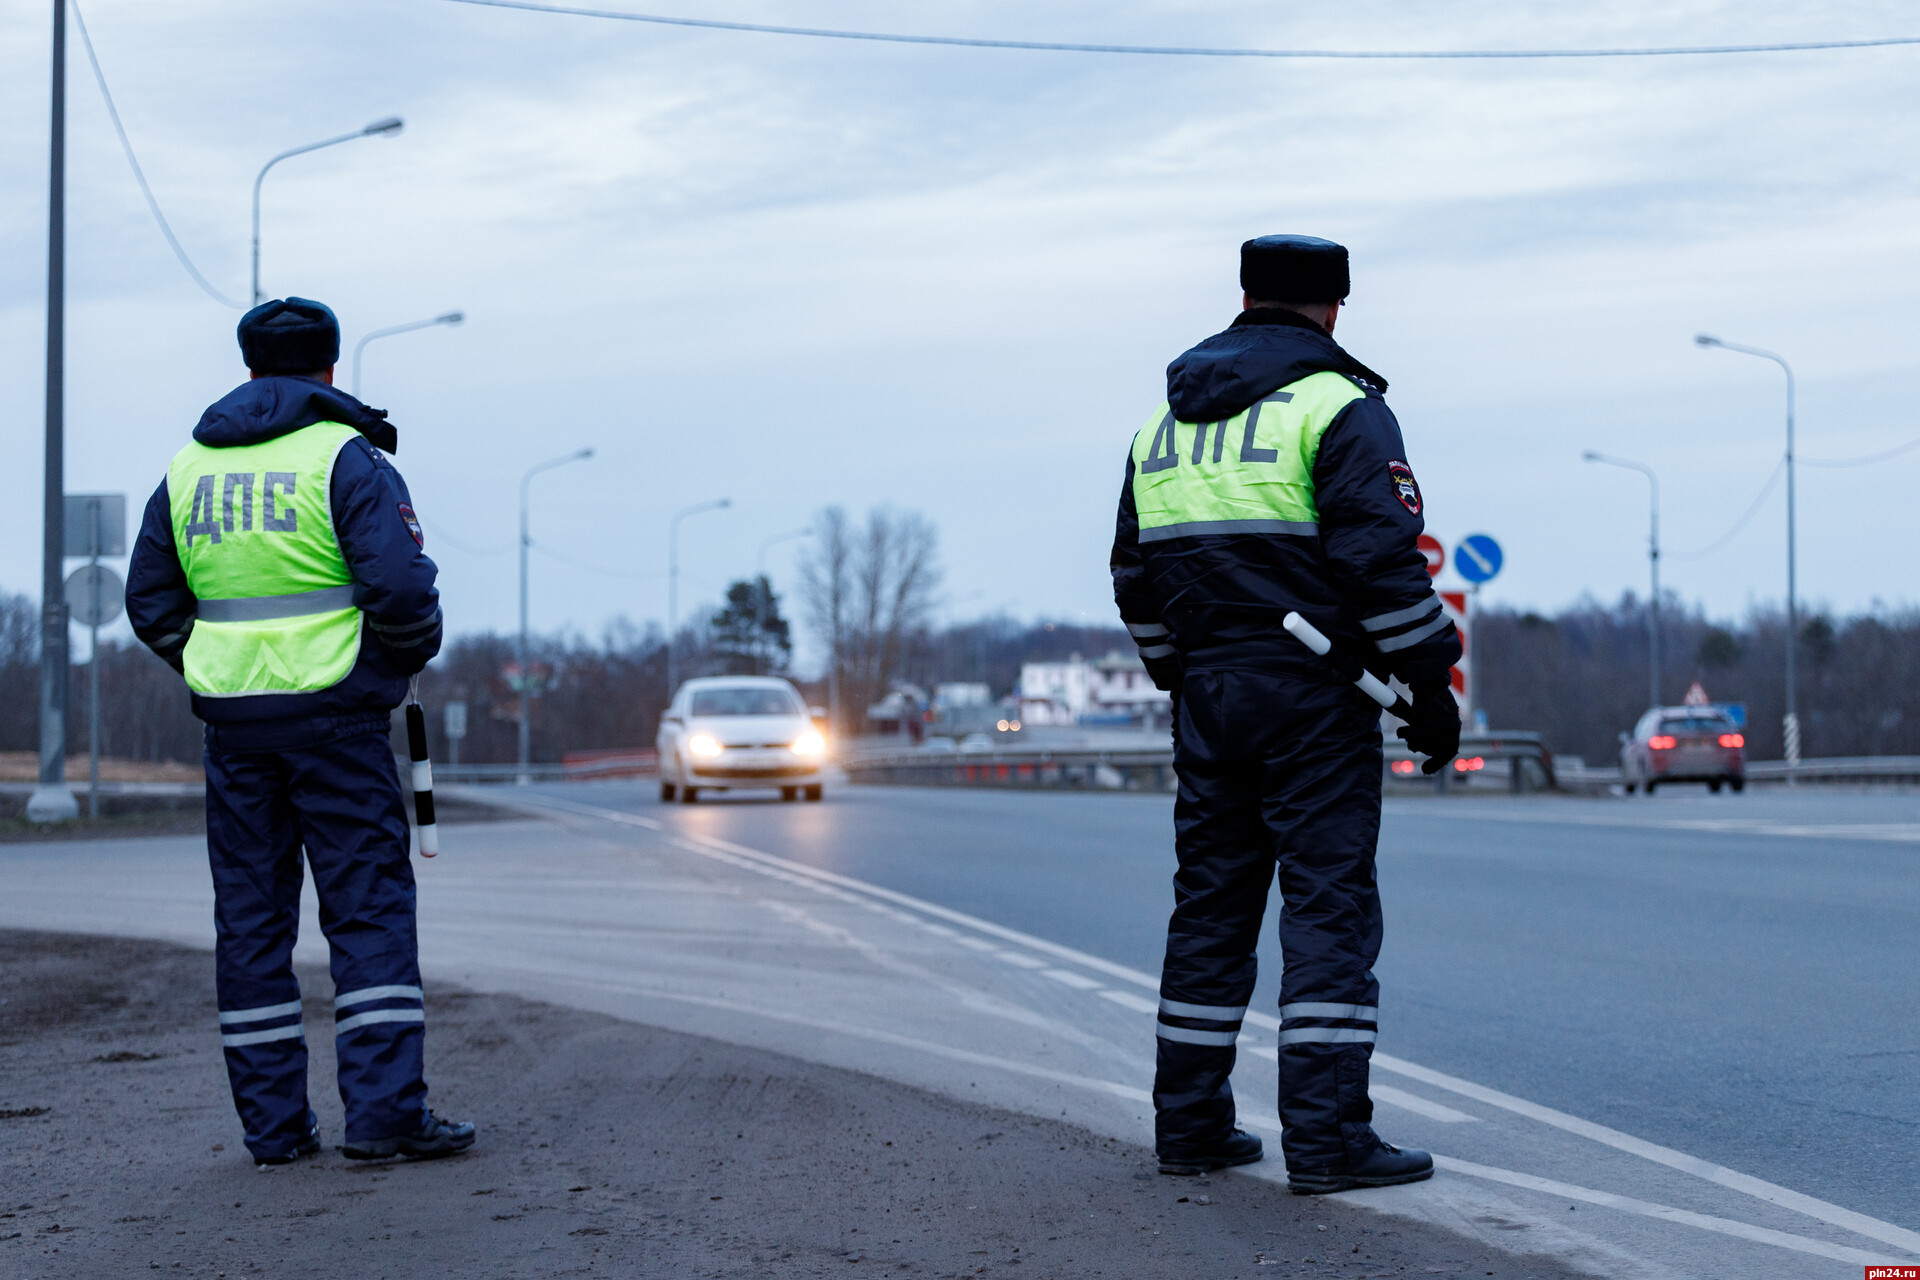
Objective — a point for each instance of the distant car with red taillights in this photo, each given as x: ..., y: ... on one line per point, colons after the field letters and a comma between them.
x: 1684, y: 744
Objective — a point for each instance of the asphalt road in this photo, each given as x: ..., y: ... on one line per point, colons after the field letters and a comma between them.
x: 1734, y: 976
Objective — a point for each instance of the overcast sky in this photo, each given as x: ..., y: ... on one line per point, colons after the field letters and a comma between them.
x: 795, y: 272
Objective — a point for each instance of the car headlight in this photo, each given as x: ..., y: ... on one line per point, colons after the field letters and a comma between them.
x: 809, y: 743
x: 704, y: 744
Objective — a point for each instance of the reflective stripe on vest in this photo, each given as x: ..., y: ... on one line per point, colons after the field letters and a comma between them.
x: 1250, y: 474
x: 253, y: 529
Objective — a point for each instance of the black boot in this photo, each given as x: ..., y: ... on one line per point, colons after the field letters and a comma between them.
x: 433, y: 1139
x: 1238, y: 1147
x: 1384, y: 1165
x: 309, y: 1145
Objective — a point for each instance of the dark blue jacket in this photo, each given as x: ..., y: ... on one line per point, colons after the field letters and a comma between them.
x: 1217, y: 600
x: 378, y: 533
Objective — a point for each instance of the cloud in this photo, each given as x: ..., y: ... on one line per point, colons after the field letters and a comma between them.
x: 796, y: 272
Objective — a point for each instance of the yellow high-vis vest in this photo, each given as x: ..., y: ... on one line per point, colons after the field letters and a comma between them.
x: 253, y: 527
x: 1250, y: 474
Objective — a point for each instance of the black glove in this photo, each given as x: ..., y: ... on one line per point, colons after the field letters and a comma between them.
x: 1434, y: 731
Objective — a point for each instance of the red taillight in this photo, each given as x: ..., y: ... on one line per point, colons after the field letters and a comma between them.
x: 1472, y: 764
x: 1732, y: 740
x: 1661, y: 743
x: 1403, y: 766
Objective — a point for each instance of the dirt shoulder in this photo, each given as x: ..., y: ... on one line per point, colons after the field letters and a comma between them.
x: 605, y: 1146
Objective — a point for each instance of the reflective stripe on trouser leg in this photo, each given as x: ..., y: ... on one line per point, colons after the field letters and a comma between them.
x: 1220, y: 889
x: 354, y: 823
x: 254, y: 854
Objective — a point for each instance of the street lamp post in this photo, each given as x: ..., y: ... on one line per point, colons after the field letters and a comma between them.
x: 673, y: 577
x: 450, y: 318
x: 52, y: 800
x: 1653, y: 562
x: 1790, y: 722
x: 760, y: 588
x: 520, y: 643
x: 385, y: 127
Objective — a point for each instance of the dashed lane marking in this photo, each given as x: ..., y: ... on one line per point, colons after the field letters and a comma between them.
x: 848, y: 888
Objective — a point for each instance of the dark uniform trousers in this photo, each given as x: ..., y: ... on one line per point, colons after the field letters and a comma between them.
x: 328, y: 786
x: 1275, y: 771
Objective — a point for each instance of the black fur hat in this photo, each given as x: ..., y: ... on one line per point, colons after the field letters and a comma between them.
x: 1294, y: 269
x: 290, y: 335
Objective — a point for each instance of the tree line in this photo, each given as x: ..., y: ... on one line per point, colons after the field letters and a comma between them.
x: 868, y: 590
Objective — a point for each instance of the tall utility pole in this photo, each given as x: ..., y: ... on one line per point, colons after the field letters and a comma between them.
x: 1653, y: 560
x: 520, y: 644
x: 385, y: 127
x: 673, y: 580
x: 1790, y: 722
x: 52, y: 800
x: 451, y: 317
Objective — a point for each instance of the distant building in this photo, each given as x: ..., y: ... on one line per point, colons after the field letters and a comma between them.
x: 1111, y: 690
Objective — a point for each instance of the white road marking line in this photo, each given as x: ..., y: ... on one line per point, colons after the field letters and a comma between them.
x: 1109, y: 1087
x: 1418, y: 1105
x: 1388, y: 1094
x: 1895, y: 832
x: 1686, y: 1217
x: 1078, y: 981
x: 1128, y: 1000
x: 1832, y: 1214
x: 1860, y: 1223
x: 1626, y: 1204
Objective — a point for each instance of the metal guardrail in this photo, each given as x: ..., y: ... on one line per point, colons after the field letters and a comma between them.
x: 1519, y: 761
x: 1078, y: 768
x: 150, y: 790
x: 1838, y: 769
x: 1146, y: 768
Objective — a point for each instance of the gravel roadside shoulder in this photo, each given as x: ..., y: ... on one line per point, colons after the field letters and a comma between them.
x: 606, y: 1147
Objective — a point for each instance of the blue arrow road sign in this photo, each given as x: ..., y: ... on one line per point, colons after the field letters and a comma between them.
x: 1477, y: 558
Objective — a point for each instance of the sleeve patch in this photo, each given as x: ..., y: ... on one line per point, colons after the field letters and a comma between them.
x: 1405, y: 487
x: 419, y: 536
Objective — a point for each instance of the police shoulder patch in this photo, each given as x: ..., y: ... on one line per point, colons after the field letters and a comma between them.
x: 413, y: 525
x: 1405, y: 487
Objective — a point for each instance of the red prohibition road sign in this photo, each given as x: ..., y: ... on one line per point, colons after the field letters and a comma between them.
x: 1435, y: 552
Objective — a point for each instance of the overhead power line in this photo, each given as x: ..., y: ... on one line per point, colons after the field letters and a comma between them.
x: 1864, y: 461
x: 133, y: 162
x: 1188, y: 51
x: 1780, y: 469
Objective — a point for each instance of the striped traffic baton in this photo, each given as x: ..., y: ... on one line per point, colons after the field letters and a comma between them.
x: 422, y: 773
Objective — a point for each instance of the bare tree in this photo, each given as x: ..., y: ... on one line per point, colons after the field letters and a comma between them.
x: 867, y: 592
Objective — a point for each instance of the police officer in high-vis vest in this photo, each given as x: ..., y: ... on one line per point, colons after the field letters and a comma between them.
x: 1274, y: 479
x: 280, y: 569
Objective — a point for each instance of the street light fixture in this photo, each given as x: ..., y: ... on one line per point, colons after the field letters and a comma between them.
x: 1790, y: 722
x: 450, y: 318
x: 520, y: 644
x: 673, y: 577
x: 761, y: 589
x: 1653, y: 560
x: 385, y: 127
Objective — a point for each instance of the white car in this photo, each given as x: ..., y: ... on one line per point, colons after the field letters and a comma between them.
x: 722, y: 733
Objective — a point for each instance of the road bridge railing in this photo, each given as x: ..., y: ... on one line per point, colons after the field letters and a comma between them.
x: 1520, y: 760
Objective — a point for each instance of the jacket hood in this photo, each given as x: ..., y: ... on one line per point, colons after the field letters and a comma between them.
x: 268, y: 408
x: 1262, y: 351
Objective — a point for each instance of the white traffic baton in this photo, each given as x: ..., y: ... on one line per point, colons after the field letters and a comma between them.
x: 1370, y: 684
x: 422, y: 778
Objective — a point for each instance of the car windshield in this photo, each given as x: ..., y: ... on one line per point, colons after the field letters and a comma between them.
x: 750, y: 700
x: 1697, y: 724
